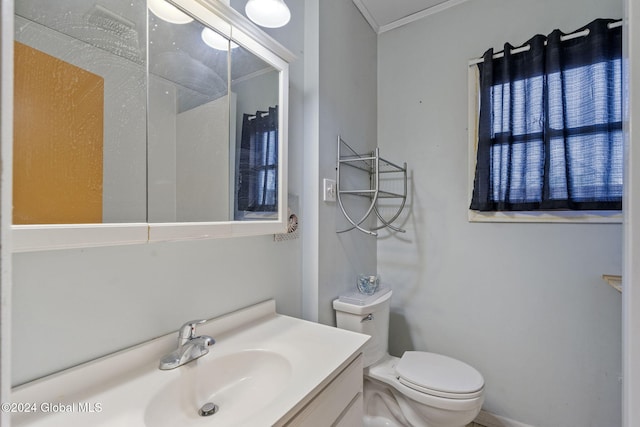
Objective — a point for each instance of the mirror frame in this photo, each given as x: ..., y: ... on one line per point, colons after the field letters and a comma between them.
x: 227, y: 21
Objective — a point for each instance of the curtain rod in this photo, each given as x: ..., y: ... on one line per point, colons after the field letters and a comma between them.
x: 253, y: 116
x: 525, y: 48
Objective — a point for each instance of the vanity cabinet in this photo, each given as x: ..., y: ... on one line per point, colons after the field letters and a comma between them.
x: 339, y: 403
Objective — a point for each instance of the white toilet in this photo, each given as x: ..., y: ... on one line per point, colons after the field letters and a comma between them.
x: 419, y: 389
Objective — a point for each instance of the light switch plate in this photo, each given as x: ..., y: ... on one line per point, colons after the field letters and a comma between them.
x: 329, y: 190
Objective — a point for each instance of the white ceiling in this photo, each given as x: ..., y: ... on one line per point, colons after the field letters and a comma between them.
x: 384, y: 15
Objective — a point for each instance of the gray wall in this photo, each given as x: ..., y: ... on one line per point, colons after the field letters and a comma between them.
x: 342, y: 89
x: 523, y: 303
x: 76, y: 305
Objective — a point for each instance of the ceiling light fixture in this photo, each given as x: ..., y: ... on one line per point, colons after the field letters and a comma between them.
x: 268, y: 13
x: 168, y: 12
x: 215, y: 40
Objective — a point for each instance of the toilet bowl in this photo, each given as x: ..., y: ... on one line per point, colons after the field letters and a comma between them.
x: 419, y: 389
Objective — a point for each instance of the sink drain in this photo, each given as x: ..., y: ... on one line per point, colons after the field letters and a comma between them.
x: 208, y: 409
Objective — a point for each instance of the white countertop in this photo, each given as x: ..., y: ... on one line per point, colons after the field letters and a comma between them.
x: 126, y: 388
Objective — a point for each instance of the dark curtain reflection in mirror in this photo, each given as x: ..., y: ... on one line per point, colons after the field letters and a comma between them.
x: 255, y: 85
x: 258, y: 168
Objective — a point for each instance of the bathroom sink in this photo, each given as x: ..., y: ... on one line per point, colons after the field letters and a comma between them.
x: 239, y: 384
x: 263, y: 370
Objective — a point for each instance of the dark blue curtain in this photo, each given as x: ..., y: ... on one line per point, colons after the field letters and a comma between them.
x: 550, y: 126
x: 258, y: 166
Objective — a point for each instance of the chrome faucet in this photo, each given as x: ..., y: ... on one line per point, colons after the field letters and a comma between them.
x: 190, y: 347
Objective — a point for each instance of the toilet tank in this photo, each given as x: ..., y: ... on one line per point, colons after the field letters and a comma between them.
x: 371, y: 319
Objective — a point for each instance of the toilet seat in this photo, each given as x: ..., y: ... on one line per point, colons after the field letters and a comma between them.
x: 439, y: 375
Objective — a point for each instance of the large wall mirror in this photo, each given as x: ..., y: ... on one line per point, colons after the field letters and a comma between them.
x: 137, y: 122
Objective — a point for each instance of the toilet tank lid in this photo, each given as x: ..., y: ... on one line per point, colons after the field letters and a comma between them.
x: 369, y: 307
x: 439, y: 373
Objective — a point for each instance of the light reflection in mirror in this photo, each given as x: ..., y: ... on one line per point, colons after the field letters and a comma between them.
x: 188, y: 125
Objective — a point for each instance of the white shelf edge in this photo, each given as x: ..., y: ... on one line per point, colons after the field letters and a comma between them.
x: 613, y: 281
x: 29, y: 238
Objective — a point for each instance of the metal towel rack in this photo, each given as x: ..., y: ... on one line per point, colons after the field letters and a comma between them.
x: 374, y: 166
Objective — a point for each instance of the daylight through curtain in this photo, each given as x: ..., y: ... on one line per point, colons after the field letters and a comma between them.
x: 550, y: 126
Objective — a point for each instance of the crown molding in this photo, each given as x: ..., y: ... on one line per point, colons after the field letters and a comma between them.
x: 367, y: 15
x: 379, y: 29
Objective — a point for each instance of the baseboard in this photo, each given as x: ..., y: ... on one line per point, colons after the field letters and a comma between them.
x: 488, y: 419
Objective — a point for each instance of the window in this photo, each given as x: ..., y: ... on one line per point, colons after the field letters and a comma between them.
x: 550, y: 124
x: 258, y: 166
